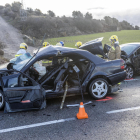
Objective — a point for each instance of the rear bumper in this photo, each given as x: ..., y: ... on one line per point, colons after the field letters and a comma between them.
x: 117, y: 77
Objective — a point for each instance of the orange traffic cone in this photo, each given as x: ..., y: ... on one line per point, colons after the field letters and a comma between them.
x: 82, y: 114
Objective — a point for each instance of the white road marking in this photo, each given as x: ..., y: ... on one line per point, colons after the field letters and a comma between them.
x: 122, y: 110
x: 35, y: 125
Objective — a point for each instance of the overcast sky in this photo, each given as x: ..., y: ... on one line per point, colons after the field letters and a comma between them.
x: 120, y: 9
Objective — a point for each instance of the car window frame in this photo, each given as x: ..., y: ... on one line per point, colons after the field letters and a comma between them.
x: 34, y: 83
x: 135, y: 52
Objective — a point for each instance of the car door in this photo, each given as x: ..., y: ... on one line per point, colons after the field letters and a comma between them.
x: 23, y: 93
x: 136, y: 60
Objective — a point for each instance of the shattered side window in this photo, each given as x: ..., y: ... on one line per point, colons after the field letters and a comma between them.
x: 21, y: 58
x: 37, y: 70
x: 18, y: 81
x: 54, y: 61
x: 47, y: 62
x: 40, y: 68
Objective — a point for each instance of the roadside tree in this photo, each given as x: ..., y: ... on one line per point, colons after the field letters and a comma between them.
x: 77, y: 14
x: 88, y: 15
x: 16, y: 6
x: 38, y: 12
x: 51, y: 13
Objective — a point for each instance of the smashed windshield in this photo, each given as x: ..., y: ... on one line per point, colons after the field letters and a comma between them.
x: 20, y: 61
x: 128, y: 48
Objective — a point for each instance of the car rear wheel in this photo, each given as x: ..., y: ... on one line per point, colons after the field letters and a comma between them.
x: 1, y: 100
x: 98, y: 88
x: 129, y: 72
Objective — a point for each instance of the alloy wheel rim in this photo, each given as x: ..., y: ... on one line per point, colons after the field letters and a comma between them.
x: 99, y: 89
x: 129, y: 71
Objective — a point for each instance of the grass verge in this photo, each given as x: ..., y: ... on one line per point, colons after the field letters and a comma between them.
x: 125, y: 36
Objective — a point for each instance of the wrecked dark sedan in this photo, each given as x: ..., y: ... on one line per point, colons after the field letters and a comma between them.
x: 29, y: 81
x: 130, y: 52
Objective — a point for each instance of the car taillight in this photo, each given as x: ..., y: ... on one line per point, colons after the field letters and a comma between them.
x: 122, y: 64
x: 122, y: 67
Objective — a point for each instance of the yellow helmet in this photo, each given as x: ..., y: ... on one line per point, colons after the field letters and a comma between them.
x: 46, y: 44
x: 23, y: 46
x: 113, y: 38
x: 78, y: 44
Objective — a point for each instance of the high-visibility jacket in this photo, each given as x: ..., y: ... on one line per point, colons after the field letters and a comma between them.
x: 114, y: 52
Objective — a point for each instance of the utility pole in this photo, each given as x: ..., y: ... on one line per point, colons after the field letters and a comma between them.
x: 23, y: 13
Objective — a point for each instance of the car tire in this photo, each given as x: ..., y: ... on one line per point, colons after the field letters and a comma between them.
x: 2, y: 101
x: 129, y: 72
x: 98, y: 88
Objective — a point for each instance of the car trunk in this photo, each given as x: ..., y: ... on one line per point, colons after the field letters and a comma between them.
x: 94, y: 46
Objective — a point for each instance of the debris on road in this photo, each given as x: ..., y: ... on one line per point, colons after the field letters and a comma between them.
x: 127, y: 80
x: 78, y: 104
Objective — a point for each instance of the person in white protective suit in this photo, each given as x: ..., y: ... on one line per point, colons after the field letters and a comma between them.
x: 23, y: 49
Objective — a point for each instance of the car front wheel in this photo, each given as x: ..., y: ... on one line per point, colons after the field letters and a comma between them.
x: 1, y: 100
x: 98, y: 88
x: 129, y: 72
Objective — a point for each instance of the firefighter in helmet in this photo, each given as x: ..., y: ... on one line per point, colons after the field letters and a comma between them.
x: 46, y: 62
x: 23, y: 49
x: 115, y: 51
x: 78, y: 44
x: 61, y: 43
x: 45, y: 44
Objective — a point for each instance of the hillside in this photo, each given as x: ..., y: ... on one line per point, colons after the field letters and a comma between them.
x: 11, y: 38
x: 35, y: 24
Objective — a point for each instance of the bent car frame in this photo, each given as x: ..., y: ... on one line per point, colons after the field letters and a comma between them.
x: 130, y: 52
x: 28, y: 83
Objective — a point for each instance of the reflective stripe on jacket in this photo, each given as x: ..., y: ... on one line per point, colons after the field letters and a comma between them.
x: 46, y: 61
x: 17, y: 55
x: 113, y: 48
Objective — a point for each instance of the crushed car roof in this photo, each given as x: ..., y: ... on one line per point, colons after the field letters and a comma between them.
x: 51, y: 50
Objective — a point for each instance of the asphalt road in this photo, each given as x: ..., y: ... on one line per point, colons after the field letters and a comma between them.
x: 55, y: 124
